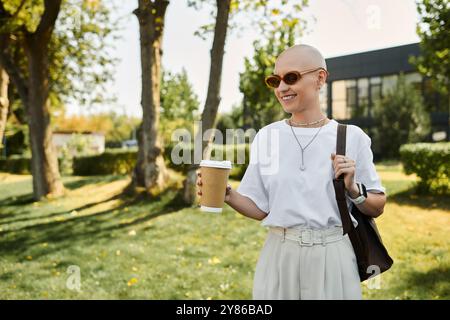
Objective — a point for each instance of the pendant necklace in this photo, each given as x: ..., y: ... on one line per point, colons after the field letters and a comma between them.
x: 302, y: 167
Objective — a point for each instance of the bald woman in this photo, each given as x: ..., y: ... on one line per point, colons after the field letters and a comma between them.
x: 288, y: 186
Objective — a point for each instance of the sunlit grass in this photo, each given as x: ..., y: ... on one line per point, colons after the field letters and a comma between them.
x: 129, y: 249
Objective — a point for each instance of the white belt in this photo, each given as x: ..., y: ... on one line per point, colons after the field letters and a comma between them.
x: 309, y: 237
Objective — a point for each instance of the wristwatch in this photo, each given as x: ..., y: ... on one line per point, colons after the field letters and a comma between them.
x: 362, y: 196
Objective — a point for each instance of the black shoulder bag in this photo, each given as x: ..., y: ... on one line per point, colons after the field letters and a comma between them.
x: 371, y: 255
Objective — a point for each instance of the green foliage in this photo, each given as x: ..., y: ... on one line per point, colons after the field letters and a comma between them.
x: 400, y: 118
x: 227, y: 121
x: 16, y: 164
x: 80, y: 63
x: 179, y: 104
x: 260, y: 106
x: 75, y: 161
x: 433, y: 30
x: 16, y: 139
x: 83, y: 66
x: 121, y: 127
x: 219, y: 152
x: 178, y: 99
x: 26, y: 15
x: 167, y: 130
x: 109, y: 162
x: 77, y: 146
x: 430, y: 162
x: 264, y: 15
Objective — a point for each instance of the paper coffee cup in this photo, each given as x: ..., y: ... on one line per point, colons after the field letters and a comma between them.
x: 214, y: 183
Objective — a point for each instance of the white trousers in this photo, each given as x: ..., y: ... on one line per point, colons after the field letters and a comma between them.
x: 307, y: 264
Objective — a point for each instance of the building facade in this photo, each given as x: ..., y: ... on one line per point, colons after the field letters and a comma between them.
x: 358, y: 80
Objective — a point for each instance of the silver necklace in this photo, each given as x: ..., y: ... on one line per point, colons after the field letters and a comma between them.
x: 302, y: 167
x: 306, y: 124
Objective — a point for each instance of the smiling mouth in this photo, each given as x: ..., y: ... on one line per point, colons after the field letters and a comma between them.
x: 288, y: 97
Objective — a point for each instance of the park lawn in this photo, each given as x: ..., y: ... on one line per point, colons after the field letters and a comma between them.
x: 131, y: 249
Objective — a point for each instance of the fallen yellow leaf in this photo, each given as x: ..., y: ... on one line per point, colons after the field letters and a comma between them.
x: 214, y: 260
x: 132, y: 281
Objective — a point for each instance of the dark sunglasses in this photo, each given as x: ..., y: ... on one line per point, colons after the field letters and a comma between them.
x: 290, y: 78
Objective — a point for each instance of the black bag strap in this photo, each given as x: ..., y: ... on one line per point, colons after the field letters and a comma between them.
x: 341, y: 139
x: 339, y: 185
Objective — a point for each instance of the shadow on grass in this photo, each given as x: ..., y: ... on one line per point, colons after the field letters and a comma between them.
x: 71, y: 184
x: 21, y: 200
x: 4, y: 218
x: 435, y: 282
x: 83, y: 181
x: 26, y: 199
x: 411, y: 198
x: 76, y: 230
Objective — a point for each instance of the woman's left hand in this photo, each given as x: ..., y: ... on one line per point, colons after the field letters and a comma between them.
x: 343, y: 164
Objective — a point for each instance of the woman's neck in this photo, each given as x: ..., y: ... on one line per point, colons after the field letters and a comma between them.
x: 299, y: 120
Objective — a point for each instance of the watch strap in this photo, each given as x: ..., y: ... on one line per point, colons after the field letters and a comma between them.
x: 362, y: 196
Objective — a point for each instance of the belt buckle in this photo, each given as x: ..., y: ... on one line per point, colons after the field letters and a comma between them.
x: 306, y: 238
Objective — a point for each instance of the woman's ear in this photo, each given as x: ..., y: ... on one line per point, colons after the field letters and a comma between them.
x: 320, y: 82
x: 321, y: 79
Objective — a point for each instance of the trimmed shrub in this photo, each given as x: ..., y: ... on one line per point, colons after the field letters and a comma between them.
x: 109, y: 162
x: 431, y: 163
x: 19, y: 164
x: 16, y: 164
x: 120, y: 161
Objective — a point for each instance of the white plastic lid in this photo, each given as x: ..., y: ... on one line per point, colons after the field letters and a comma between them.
x: 216, y: 164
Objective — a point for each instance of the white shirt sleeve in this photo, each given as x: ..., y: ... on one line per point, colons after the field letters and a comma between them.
x: 251, y: 184
x: 365, y: 171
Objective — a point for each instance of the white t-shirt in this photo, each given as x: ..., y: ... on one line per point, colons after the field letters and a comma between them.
x: 291, y: 197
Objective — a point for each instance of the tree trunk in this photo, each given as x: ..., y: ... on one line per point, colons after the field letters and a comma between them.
x: 44, y: 162
x: 33, y: 88
x: 4, y: 102
x: 213, y: 97
x: 150, y: 171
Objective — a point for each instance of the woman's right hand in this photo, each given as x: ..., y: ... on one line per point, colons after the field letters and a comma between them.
x: 199, y: 184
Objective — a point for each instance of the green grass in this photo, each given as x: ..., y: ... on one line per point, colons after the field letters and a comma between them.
x: 129, y: 248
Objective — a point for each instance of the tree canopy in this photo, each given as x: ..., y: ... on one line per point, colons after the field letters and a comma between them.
x: 433, y: 30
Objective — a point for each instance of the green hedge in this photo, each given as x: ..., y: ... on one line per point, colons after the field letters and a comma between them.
x: 16, y: 164
x: 109, y: 162
x: 237, y: 171
x: 430, y: 162
x: 119, y: 161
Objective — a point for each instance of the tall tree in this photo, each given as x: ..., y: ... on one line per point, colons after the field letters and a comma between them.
x: 33, y: 88
x: 213, y: 96
x: 150, y: 171
x: 47, y: 66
